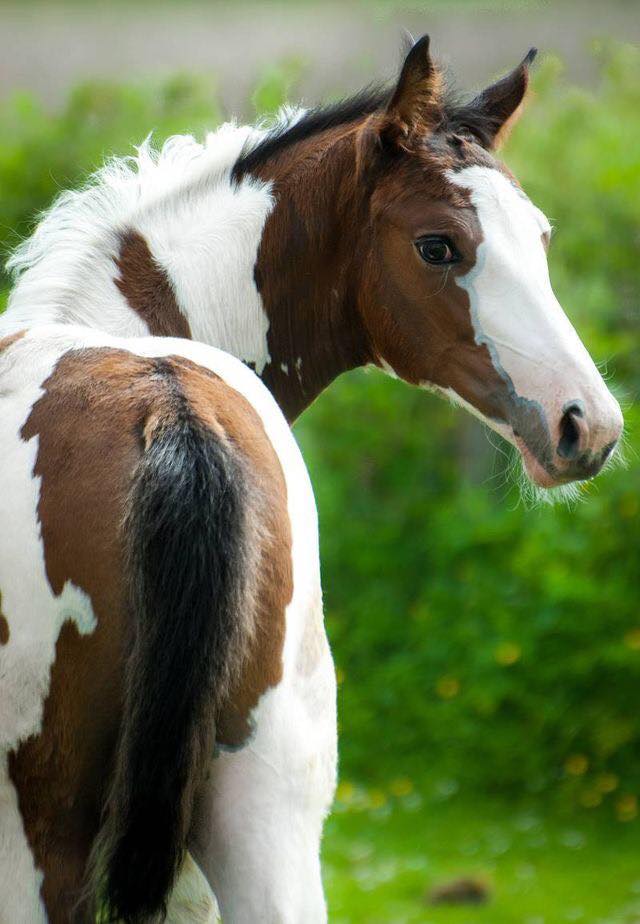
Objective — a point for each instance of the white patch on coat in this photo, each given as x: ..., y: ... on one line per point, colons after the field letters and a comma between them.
x: 33, y: 612
x: 268, y: 800
x: 207, y: 243
x: 514, y: 310
x: 203, y: 229
x: 20, y: 881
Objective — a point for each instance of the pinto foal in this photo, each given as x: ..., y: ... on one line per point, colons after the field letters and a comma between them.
x: 380, y: 231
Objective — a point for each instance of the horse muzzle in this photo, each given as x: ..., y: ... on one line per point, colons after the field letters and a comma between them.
x: 582, y: 437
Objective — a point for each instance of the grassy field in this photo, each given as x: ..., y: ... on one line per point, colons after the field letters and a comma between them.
x: 385, y: 853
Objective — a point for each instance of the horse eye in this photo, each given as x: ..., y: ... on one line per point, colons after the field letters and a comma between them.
x: 439, y: 251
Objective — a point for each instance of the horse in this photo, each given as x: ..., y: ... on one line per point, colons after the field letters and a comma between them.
x: 382, y: 230
x: 160, y: 595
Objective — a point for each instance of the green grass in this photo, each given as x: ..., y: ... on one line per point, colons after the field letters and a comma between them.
x: 383, y: 854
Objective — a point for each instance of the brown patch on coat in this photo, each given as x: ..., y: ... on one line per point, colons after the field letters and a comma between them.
x: 8, y: 341
x: 147, y: 288
x: 89, y: 423
x: 87, y: 449
x: 418, y: 315
x: 307, y: 268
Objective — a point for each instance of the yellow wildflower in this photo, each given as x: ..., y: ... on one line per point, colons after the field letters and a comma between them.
x: 576, y: 764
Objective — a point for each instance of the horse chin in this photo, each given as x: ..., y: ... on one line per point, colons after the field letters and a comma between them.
x: 536, y: 472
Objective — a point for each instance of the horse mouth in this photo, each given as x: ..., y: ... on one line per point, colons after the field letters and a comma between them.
x: 536, y: 471
x: 548, y: 476
x: 552, y: 477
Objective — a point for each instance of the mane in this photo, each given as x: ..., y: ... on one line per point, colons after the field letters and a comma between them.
x: 458, y: 115
x: 127, y: 184
x: 462, y: 116
x: 80, y: 231
x: 310, y: 122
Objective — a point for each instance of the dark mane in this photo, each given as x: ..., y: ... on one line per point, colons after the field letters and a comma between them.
x: 371, y: 99
x: 458, y: 117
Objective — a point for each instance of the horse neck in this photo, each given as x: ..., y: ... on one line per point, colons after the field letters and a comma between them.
x: 262, y: 265
x: 307, y: 270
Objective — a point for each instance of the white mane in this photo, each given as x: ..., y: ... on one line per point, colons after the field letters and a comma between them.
x: 65, y: 270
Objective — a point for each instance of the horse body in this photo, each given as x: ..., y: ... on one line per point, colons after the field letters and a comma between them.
x: 72, y: 397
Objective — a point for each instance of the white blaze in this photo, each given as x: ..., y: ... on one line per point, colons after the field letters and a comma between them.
x: 514, y: 310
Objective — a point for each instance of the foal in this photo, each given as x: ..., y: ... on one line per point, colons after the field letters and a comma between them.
x: 160, y: 591
x: 379, y: 231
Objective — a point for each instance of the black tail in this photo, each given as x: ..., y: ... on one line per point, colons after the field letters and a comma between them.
x: 186, y: 557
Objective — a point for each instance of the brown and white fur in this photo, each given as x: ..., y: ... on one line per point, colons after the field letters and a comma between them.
x: 94, y: 430
x: 302, y: 250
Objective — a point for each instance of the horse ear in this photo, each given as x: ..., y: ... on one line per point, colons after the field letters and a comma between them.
x: 501, y: 103
x: 416, y: 99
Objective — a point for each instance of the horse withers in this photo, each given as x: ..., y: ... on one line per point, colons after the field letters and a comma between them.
x: 160, y: 600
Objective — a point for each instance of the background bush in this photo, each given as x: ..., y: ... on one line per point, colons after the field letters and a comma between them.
x: 476, y: 640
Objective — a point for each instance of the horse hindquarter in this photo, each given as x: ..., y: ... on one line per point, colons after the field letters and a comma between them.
x: 79, y: 413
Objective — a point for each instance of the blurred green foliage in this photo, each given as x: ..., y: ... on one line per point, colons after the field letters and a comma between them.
x: 275, y: 85
x: 476, y: 639
x: 42, y: 152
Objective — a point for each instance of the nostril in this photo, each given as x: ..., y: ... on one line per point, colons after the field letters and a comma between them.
x: 571, y: 428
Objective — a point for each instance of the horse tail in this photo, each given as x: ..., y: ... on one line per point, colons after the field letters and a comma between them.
x: 186, y: 560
